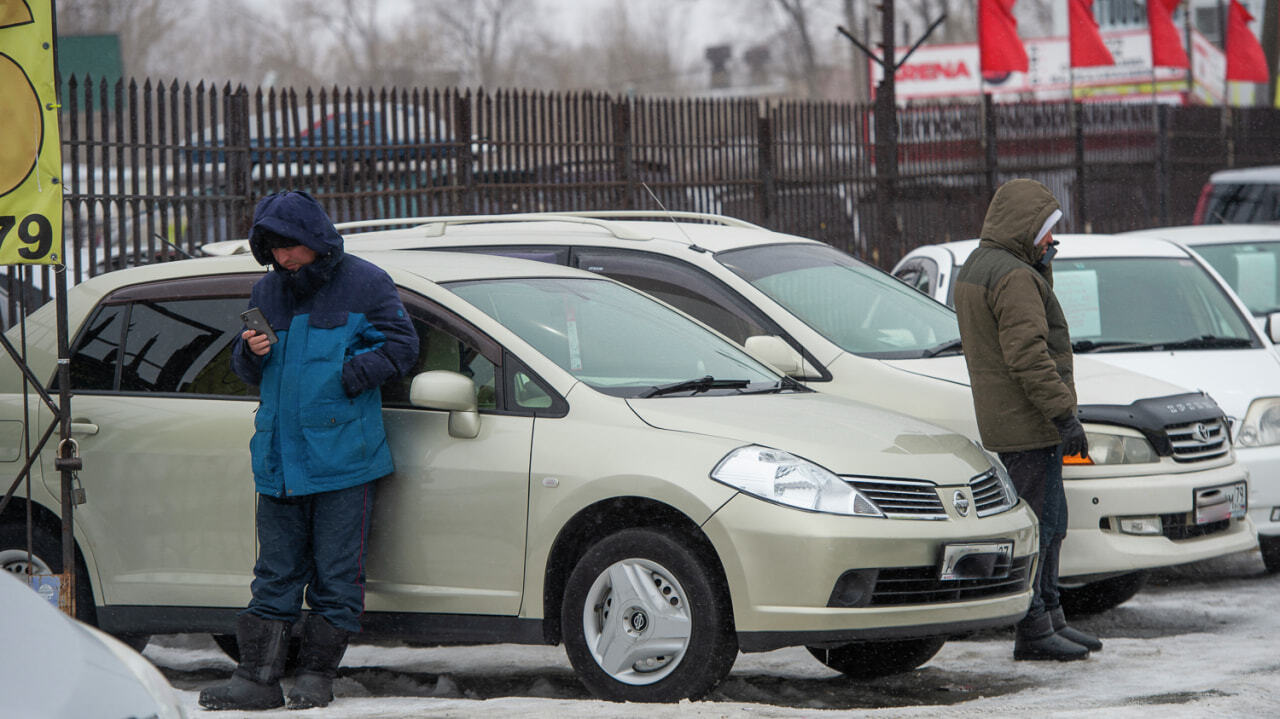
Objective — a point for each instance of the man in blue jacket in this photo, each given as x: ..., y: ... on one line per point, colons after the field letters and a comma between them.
x: 318, y: 446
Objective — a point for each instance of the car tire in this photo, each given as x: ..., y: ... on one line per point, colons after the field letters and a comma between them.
x: 46, y: 558
x: 1270, y: 548
x: 1102, y: 595
x: 646, y: 619
x: 872, y: 660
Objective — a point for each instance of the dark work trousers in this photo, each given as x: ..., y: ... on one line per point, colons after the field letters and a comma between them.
x: 317, y: 542
x: 1037, y: 475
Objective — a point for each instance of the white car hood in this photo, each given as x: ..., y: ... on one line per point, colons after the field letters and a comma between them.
x: 1234, y: 378
x: 844, y: 436
x: 1096, y: 382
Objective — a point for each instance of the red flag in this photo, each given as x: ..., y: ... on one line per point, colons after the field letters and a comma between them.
x: 998, y: 44
x: 1087, y: 48
x: 1166, y: 46
x: 1245, y: 61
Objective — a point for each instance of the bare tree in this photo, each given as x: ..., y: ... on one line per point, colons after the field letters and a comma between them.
x: 476, y: 32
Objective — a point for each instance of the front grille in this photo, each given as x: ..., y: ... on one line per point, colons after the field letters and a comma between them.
x: 1182, y: 526
x: 988, y: 494
x: 920, y: 585
x: 902, y: 498
x: 1198, y: 441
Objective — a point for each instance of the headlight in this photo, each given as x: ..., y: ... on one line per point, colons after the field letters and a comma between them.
x: 1261, y: 426
x: 1107, y: 448
x: 782, y: 477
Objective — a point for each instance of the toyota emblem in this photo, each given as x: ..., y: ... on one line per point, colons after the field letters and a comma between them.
x: 961, y: 503
x: 1201, y: 433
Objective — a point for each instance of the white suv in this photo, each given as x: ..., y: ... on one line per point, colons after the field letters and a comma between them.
x: 847, y: 328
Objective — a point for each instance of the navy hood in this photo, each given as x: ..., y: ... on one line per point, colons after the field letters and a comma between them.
x: 295, y: 215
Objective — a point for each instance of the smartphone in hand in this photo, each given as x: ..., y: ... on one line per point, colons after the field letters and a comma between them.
x: 256, y: 321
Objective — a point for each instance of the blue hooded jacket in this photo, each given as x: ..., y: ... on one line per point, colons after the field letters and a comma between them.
x: 342, y: 332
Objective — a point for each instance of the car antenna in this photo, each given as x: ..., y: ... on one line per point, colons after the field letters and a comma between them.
x: 692, y: 245
x: 174, y: 245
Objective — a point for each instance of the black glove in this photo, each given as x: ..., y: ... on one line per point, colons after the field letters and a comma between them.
x: 1073, y: 439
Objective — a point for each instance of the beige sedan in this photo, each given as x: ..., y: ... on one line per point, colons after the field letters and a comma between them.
x: 576, y: 462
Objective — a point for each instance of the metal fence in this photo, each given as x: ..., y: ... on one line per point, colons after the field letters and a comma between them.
x: 149, y: 168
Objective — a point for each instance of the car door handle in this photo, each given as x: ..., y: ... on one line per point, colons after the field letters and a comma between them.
x: 81, y: 426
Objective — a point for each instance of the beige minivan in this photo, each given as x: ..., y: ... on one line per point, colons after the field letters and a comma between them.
x: 576, y: 462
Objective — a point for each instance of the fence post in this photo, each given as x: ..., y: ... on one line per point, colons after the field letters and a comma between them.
x: 990, y: 150
x: 1082, y: 209
x: 622, y: 155
x: 464, y: 162
x: 1162, y: 162
x: 768, y: 175
x: 239, y: 164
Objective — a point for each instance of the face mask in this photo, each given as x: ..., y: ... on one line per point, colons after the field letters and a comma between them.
x: 1048, y: 254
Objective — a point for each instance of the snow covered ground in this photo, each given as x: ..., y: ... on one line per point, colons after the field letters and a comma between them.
x: 1197, y: 642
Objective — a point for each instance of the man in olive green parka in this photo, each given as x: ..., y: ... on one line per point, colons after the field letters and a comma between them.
x: 1018, y: 351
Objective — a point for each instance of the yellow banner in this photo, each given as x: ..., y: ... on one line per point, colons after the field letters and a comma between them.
x: 30, y: 150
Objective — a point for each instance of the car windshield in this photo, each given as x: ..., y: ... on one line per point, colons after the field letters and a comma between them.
x: 615, y: 339
x: 1136, y: 303
x: 1252, y: 269
x: 860, y: 308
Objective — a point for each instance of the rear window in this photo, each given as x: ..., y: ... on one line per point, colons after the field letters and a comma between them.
x: 1241, y: 202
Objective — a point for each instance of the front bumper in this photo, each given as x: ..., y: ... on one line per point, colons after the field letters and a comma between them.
x: 782, y: 565
x: 1264, y: 486
x: 1096, y: 546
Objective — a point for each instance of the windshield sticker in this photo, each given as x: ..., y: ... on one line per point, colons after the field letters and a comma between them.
x: 571, y: 330
x: 1256, y: 278
x: 1077, y: 292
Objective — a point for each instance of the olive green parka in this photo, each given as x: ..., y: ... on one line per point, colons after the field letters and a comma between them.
x: 1015, y: 337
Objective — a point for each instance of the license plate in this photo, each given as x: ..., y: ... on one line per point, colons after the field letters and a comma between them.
x: 1214, y: 504
x: 979, y: 560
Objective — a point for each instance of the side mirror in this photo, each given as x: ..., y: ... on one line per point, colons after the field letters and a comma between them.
x: 1273, y: 327
x: 442, y: 389
x: 775, y: 352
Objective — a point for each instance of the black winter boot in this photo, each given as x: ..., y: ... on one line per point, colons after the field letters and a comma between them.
x: 322, y: 648
x: 1088, y: 641
x: 1035, y: 640
x: 264, y: 645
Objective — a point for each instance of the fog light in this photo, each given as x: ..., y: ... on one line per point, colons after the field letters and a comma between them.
x: 854, y: 588
x: 1141, y: 525
x: 1275, y: 514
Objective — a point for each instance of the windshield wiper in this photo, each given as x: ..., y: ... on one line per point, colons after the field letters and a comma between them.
x: 948, y: 346
x: 701, y: 384
x: 1194, y: 343
x: 1113, y: 346
x: 1205, y: 342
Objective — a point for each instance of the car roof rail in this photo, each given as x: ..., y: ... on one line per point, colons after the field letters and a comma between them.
x: 710, y: 218
x: 437, y: 226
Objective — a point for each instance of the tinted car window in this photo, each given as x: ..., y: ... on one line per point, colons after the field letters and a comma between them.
x: 679, y: 285
x: 1243, y: 202
x: 94, y: 360
x: 172, y: 346
x: 182, y: 346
